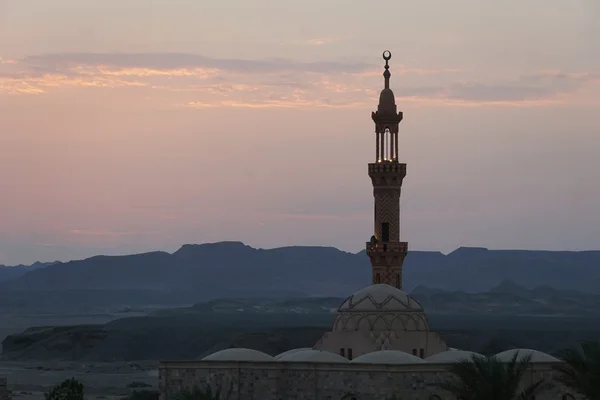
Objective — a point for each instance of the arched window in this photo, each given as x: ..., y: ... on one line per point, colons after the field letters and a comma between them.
x: 398, y: 281
x: 377, y: 278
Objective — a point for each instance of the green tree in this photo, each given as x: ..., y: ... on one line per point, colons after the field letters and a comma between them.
x: 69, y: 389
x: 207, y: 393
x: 488, y: 378
x: 580, y: 369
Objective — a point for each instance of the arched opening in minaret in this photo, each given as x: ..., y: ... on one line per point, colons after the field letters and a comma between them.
x: 398, y: 281
x: 385, y: 232
x: 389, y: 144
x: 377, y: 278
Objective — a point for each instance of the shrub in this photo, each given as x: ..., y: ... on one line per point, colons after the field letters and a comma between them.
x: 69, y: 389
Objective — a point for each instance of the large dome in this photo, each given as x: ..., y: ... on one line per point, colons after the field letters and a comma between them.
x: 379, y: 308
x: 380, y: 297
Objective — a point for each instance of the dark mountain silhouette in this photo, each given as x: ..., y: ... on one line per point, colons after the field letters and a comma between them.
x: 229, y: 269
x: 13, y: 272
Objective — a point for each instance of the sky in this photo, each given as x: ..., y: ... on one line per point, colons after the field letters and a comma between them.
x: 136, y: 125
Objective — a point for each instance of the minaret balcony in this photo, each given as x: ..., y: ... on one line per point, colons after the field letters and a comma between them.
x: 388, y: 247
x: 384, y: 166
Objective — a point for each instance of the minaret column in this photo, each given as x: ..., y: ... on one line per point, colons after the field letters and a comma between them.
x: 392, y: 147
x: 377, y: 146
x: 396, y: 145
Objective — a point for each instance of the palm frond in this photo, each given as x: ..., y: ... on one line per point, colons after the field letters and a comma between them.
x: 533, y: 390
x: 580, y: 369
x: 489, y: 378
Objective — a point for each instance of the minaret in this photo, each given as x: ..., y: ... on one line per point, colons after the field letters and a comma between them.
x: 385, y: 249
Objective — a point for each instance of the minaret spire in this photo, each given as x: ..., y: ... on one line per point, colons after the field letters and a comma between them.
x: 387, y: 55
x: 385, y: 249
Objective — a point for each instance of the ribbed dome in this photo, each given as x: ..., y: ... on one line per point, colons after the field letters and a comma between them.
x: 536, y: 356
x: 451, y: 356
x: 380, y: 297
x: 238, y: 354
x: 388, y: 357
x: 313, y: 356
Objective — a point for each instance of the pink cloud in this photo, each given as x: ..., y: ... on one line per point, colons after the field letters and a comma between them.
x: 202, y: 82
x: 101, y: 232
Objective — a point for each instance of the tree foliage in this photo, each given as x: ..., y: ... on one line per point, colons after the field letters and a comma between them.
x: 580, y: 369
x: 488, y: 378
x: 69, y: 389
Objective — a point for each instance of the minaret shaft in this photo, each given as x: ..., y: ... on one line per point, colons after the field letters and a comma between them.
x: 385, y: 249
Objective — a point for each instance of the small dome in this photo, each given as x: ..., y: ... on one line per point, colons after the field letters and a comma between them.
x: 451, y: 356
x: 311, y: 355
x: 388, y: 357
x: 292, y: 351
x: 238, y: 354
x: 380, y: 297
x: 536, y: 356
x: 387, y: 102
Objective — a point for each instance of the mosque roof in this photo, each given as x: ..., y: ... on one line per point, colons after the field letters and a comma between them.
x: 292, y: 351
x: 536, y: 356
x: 388, y: 357
x: 311, y: 355
x: 238, y: 354
x: 451, y: 356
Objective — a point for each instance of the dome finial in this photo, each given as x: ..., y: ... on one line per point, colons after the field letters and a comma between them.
x: 387, y: 55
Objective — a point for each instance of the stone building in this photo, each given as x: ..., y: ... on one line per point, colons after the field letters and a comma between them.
x: 380, y: 344
x: 320, y: 375
x: 5, y: 394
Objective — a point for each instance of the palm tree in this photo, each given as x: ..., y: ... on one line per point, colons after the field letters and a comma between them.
x: 488, y: 378
x: 580, y: 369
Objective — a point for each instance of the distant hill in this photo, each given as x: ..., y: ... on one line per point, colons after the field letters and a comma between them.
x: 232, y: 269
x: 8, y: 273
x: 510, y: 299
x: 507, y: 316
x: 506, y: 299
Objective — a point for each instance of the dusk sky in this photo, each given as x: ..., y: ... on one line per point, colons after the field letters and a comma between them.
x: 136, y: 125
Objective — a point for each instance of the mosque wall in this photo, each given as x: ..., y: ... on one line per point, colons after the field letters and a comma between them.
x: 320, y: 381
x: 5, y: 394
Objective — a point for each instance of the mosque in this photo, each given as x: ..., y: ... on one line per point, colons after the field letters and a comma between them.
x: 380, y: 344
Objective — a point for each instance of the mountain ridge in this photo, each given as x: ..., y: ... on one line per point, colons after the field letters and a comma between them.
x: 315, y: 270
